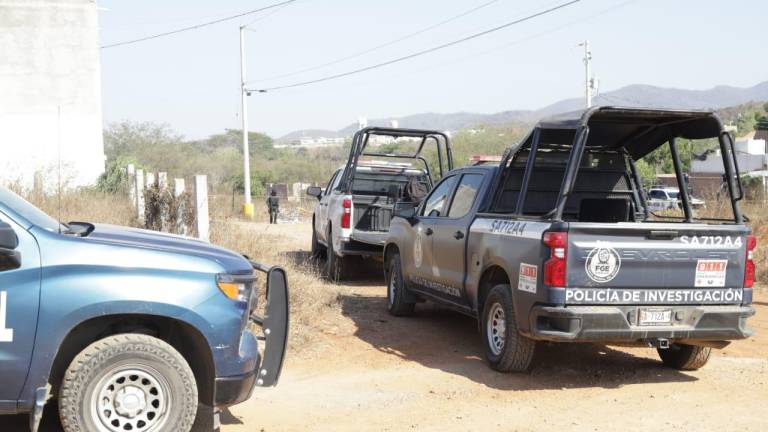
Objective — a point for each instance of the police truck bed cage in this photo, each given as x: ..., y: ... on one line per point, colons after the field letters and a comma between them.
x: 360, y: 144
x: 632, y: 132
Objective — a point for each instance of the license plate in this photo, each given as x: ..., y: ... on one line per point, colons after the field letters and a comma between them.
x: 654, y: 317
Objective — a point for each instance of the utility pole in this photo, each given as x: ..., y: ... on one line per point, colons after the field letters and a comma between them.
x: 248, y: 205
x: 587, y: 79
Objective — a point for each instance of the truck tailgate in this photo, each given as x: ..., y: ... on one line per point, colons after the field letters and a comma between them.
x: 372, y: 213
x: 655, y: 263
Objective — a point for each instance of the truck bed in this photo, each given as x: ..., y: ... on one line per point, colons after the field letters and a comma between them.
x: 372, y: 216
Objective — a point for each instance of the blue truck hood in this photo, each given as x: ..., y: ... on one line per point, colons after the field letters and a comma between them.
x: 232, y: 262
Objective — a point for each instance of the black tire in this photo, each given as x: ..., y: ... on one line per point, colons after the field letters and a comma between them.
x: 397, y: 304
x: 317, y: 250
x: 335, y: 267
x: 685, y: 357
x: 144, y: 373
x: 510, y: 351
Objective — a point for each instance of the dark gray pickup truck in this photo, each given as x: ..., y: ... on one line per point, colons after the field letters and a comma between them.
x: 557, y: 244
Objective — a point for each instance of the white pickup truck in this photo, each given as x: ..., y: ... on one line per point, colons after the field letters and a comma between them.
x: 352, y: 215
x: 662, y: 198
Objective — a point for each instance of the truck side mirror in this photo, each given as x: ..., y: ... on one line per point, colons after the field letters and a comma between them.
x: 9, y: 257
x: 314, y: 191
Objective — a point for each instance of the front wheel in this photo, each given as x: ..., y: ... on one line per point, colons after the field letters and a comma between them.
x: 685, y: 357
x: 505, y: 348
x: 128, y: 382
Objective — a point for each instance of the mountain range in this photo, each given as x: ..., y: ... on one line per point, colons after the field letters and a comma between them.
x: 632, y: 95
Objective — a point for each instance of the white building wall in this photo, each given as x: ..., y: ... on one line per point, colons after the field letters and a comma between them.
x: 714, y: 163
x: 50, y: 92
x: 751, y: 146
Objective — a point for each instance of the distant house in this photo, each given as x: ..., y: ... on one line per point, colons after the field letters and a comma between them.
x: 751, y: 156
x: 312, y: 142
x: 50, y: 93
x: 761, y: 132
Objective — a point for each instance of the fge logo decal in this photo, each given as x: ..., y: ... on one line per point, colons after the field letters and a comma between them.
x: 603, y: 264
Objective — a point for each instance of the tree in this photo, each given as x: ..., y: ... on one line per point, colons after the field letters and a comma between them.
x: 258, y: 143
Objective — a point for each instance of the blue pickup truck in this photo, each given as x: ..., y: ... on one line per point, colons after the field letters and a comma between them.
x: 129, y: 329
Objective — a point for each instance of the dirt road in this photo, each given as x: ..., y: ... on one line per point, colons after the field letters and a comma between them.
x: 375, y: 372
x: 370, y: 371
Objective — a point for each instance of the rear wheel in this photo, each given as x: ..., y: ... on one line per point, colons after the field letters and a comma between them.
x: 396, y: 291
x: 317, y: 250
x: 505, y: 348
x: 685, y: 357
x: 128, y: 382
x: 335, y: 266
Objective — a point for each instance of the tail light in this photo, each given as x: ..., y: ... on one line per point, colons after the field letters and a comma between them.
x: 346, y: 217
x: 555, y: 269
x: 749, y: 271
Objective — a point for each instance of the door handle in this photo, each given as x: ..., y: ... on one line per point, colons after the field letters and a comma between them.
x: 428, y: 231
x: 458, y: 235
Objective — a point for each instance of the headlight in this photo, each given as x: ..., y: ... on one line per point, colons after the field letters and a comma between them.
x: 237, y: 290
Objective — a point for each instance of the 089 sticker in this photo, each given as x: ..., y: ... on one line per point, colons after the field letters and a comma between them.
x: 603, y: 264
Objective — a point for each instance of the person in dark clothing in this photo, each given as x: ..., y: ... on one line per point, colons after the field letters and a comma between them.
x: 273, y: 206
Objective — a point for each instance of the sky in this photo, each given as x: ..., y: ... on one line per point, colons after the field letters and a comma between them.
x: 191, y: 80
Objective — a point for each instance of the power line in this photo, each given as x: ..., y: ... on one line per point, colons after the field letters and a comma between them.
x: 506, y: 45
x: 423, y: 52
x: 267, y: 15
x: 377, y: 47
x: 197, y: 26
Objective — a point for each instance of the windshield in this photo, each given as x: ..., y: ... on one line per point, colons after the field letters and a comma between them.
x: 29, y: 212
x: 673, y: 194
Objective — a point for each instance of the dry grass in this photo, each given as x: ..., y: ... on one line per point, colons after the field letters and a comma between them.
x: 310, y: 296
x: 87, y: 206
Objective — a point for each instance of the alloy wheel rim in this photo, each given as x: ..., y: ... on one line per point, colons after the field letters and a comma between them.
x: 392, y: 289
x: 133, y: 398
x: 496, y: 329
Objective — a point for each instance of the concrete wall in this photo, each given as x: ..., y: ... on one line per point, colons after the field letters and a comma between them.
x: 50, y: 92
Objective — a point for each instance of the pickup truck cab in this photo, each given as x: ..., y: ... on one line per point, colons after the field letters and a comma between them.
x: 128, y: 329
x: 557, y: 243
x: 353, y: 212
x: 662, y: 198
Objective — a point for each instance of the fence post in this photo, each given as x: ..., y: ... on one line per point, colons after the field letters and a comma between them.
x: 139, y: 195
x: 150, y: 179
x: 201, y: 207
x: 178, y: 190
x: 162, y: 180
x: 132, y: 184
x: 178, y: 187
